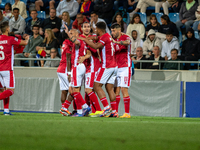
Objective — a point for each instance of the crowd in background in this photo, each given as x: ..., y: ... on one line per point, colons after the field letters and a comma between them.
x: 151, y: 41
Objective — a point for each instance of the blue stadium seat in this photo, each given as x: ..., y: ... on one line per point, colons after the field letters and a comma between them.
x: 196, y: 34
x: 143, y: 18
x: 41, y: 14
x: 158, y: 15
x: 151, y: 8
x: 2, y: 5
x: 174, y: 17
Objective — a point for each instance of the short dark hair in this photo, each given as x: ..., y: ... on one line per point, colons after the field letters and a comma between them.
x: 169, y: 32
x: 37, y: 26
x: 84, y: 23
x: 16, y: 9
x: 101, y: 25
x: 174, y: 49
x: 9, y: 6
x: 4, y: 26
x: 53, y: 9
x: 33, y: 10
x: 115, y: 25
x: 79, y: 14
x: 93, y: 12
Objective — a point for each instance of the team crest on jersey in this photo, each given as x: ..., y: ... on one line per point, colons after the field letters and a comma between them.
x: 125, y: 80
x: 16, y: 39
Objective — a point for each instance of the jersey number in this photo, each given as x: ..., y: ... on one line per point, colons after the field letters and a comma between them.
x: 2, y: 56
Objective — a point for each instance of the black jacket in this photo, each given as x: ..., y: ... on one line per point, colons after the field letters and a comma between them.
x: 28, y: 29
x: 169, y: 27
x: 150, y: 65
x: 189, y: 46
x: 144, y: 65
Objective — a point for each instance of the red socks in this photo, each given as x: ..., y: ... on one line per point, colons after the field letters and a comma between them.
x: 78, y: 100
x: 92, y: 107
x: 117, y: 102
x: 67, y: 104
x: 113, y: 105
x: 87, y: 100
x: 104, y: 101
x: 95, y: 101
x: 5, y: 94
x: 127, y: 104
x: 74, y: 105
x: 6, y: 103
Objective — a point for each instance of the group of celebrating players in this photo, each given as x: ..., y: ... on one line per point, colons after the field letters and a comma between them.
x: 95, y: 59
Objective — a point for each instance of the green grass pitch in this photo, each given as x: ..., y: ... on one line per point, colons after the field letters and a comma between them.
x: 48, y: 131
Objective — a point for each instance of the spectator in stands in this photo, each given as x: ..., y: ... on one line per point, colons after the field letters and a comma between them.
x: 39, y: 4
x: 166, y: 26
x: 53, y: 55
x: 95, y: 19
x: 136, y: 24
x: 142, y: 6
x: 170, y: 43
x: 187, y: 14
x: 2, y: 18
x: 189, y: 48
x: 22, y: 8
x: 52, y: 22
x: 30, y: 49
x: 77, y: 24
x: 177, y: 6
x: 151, y: 41
x: 48, y: 43
x: 30, y: 23
x: 8, y: 11
x: 139, y: 56
x: 155, y: 56
x: 133, y: 3
x: 135, y: 42
x: 118, y: 3
x: 104, y: 9
x: 197, y: 21
x: 165, y: 4
x: 53, y: 3
x: 86, y: 8
x: 17, y: 23
x: 173, y: 66
x: 118, y: 19
x: 66, y: 20
x: 71, y: 6
x: 154, y: 24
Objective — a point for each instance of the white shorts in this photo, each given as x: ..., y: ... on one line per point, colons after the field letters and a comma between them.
x: 106, y: 75
x: 89, y: 80
x: 7, y: 79
x: 123, y: 77
x: 63, y: 80
x: 78, y: 74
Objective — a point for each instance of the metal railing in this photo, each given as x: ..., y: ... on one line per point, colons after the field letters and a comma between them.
x: 140, y: 61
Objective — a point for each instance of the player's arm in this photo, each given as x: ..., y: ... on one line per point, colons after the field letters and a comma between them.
x: 88, y: 55
x: 91, y: 44
x: 126, y: 42
x: 69, y: 66
x: 73, y: 39
x: 23, y: 42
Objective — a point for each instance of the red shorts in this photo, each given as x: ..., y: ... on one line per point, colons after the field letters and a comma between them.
x: 7, y: 79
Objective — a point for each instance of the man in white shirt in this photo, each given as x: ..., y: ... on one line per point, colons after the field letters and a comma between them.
x: 95, y: 19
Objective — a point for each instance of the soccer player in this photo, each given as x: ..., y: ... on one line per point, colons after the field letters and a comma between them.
x: 64, y: 75
x: 7, y: 79
x: 107, y: 71
x: 122, y: 45
x: 78, y: 71
x: 92, y: 65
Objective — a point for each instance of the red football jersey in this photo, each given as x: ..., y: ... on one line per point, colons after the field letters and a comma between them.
x: 122, y: 52
x: 7, y: 52
x: 66, y: 48
x: 78, y: 51
x: 107, y: 53
x: 92, y: 64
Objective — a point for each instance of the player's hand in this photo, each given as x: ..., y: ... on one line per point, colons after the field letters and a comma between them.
x: 81, y: 38
x: 166, y: 58
x: 81, y: 59
x: 69, y: 78
x: 113, y: 40
x: 66, y: 28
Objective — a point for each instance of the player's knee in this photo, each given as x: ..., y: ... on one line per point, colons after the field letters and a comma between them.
x: 88, y: 90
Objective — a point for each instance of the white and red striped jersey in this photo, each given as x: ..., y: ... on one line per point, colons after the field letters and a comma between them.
x: 107, y: 53
x: 78, y: 51
x: 7, y: 52
x: 122, y: 52
x: 66, y: 48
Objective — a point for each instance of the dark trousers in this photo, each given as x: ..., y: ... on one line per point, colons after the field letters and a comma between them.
x: 190, y: 58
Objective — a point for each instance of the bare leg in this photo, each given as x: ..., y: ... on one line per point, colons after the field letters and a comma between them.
x: 38, y: 4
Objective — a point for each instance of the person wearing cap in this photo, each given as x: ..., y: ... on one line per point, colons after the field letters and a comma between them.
x: 187, y: 14
x: 151, y: 41
x: 170, y: 43
x: 197, y: 21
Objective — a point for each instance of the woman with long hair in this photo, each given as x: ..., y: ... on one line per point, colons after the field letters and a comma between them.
x: 118, y: 19
x: 65, y: 20
x: 154, y: 24
x: 136, y: 24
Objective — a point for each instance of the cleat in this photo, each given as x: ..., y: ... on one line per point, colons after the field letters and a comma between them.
x: 114, y: 114
x: 74, y: 112
x: 7, y: 113
x: 97, y: 114
x: 91, y: 114
x: 65, y: 112
x: 125, y: 115
x: 77, y: 115
x: 106, y: 112
x: 86, y: 111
